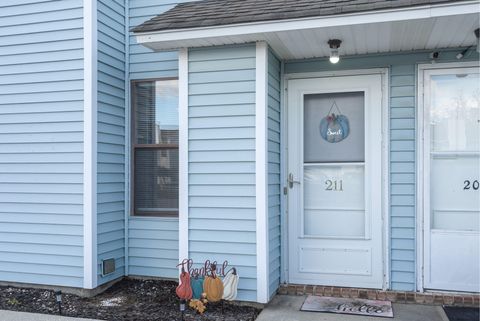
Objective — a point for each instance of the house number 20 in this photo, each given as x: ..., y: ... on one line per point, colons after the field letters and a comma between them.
x: 334, y: 185
x: 475, y: 185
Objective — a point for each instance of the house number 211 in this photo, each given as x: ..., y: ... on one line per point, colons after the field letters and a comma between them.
x: 334, y: 185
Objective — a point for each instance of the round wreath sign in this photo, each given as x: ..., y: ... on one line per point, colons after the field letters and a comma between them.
x: 334, y: 127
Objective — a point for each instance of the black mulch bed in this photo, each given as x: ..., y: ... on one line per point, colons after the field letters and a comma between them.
x: 132, y: 300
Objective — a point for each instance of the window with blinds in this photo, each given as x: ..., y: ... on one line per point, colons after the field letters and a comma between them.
x: 155, y: 147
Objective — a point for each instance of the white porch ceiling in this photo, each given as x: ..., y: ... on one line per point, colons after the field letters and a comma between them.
x: 418, y: 29
x: 360, y: 38
x: 445, y: 32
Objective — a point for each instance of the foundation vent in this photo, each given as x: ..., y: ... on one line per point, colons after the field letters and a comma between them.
x: 108, y: 266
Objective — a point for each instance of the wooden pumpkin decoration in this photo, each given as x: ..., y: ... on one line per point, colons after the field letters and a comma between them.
x: 184, y: 290
x: 334, y: 128
x: 213, y: 286
x: 197, y: 287
x: 230, y: 285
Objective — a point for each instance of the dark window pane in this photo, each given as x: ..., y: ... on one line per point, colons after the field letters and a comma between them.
x: 156, y: 181
x: 156, y: 112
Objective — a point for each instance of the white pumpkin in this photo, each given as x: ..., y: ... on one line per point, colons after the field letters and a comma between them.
x: 230, y: 285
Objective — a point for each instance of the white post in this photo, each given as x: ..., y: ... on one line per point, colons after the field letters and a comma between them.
x: 261, y: 170
x: 183, y: 153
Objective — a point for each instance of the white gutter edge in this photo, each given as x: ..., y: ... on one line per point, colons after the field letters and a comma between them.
x: 387, y: 15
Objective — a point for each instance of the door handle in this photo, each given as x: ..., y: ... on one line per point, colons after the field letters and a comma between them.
x: 291, y: 181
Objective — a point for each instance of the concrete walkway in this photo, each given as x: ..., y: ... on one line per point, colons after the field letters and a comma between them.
x: 281, y: 308
x: 287, y: 308
x: 23, y: 316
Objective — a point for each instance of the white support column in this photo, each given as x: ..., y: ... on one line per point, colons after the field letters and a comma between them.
x: 128, y: 126
x: 261, y: 170
x: 90, y: 144
x: 183, y: 153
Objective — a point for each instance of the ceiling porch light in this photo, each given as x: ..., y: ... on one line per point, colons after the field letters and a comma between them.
x: 334, y: 45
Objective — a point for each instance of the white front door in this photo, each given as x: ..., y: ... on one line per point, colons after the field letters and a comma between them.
x: 335, y: 181
x: 451, y: 178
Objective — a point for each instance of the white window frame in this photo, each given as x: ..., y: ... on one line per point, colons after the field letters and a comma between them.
x: 134, y: 146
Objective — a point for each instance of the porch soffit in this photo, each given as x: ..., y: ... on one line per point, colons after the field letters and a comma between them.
x: 445, y: 25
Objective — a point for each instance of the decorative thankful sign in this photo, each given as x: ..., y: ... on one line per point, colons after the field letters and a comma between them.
x: 205, y: 269
x: 334, y: 127
x: 205, y: 284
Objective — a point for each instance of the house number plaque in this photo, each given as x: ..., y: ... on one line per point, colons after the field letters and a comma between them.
x: 334, y: 185
x: 475, y: 185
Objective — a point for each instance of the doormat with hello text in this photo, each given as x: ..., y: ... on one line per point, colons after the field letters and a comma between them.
x: 373, y: 308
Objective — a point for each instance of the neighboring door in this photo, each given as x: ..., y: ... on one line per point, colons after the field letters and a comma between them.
x: 451, y: 178
x: 335, y: 181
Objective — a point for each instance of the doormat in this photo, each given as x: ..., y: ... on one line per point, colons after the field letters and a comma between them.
x: 348, y: 306
x: 462, y: 314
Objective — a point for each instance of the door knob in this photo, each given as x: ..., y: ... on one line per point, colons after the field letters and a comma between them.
x: 291, y: 181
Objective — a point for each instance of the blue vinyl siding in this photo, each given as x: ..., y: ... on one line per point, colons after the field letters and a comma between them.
x: 274, y: 188
x: 153, y: 247
x: 41, y: 142
x: 402, y: 167
x: 153, y: 242
x: 111, y: 137
x: 222, y: 212
x: 144, y: 62
x: 402, y: 176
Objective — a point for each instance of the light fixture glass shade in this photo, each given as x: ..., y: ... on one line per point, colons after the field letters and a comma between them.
x: 334, y: 56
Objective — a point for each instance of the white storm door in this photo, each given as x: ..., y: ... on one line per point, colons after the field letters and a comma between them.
x: 335, y: 181
x: 451, y: 179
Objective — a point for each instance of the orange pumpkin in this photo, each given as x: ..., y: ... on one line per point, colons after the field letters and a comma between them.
x: 184, y: 290
x: 213, y: 286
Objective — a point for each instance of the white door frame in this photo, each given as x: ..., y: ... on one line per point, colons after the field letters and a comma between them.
x: 423, y: 185
x: 384, y: 72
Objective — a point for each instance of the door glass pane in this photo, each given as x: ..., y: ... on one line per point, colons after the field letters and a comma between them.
x: 455, y: 151
x: 334, y: 140
x: 334, y: 200
x: 334, y: 172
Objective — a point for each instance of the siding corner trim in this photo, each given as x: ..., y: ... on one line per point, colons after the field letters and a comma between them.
x: 261, y: 170
x: 90, y: 145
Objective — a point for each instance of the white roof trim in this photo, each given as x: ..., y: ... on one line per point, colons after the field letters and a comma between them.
x: 170, y: 37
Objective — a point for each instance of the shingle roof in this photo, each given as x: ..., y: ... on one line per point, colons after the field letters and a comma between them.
x: 207, y: 13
